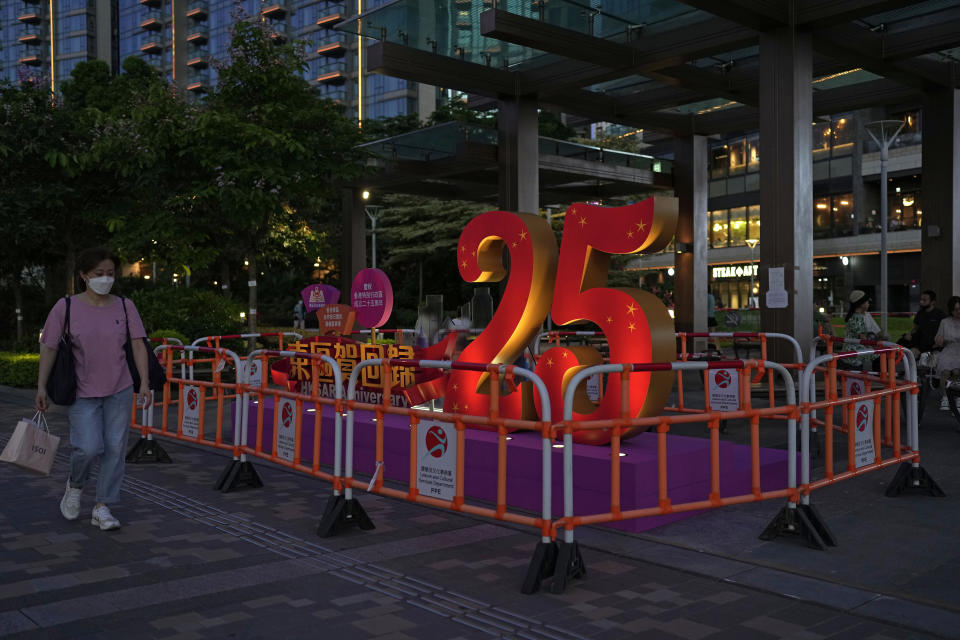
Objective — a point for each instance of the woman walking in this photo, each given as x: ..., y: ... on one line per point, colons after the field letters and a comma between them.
x: 100, y: 417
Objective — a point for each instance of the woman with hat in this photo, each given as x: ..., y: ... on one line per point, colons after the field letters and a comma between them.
x: 860, y: 324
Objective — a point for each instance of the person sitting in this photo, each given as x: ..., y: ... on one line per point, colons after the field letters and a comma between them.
x: 926, y: 322
x: 861, y: 325
x: 948, y: 337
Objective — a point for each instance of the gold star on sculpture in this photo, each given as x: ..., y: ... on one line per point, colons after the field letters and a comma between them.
x: 641, y: 225
x: 549, y: 362
x: 629, y: 234
x: 582, y: 221
x: 514, y: 245
x: 464, y: 264
x: 565, y: 354
x: 456, y: 407
x: 523, y: 234
x: 631, y: 326
x: 455, y: 387
x: 473, y: 253
x: 631, y: 309
x: 609, y: 319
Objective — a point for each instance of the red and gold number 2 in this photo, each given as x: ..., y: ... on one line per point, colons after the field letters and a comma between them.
x: 637, y: 325
x: 523, y: 306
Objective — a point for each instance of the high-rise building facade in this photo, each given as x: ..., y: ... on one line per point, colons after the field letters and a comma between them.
x: 186, y: 39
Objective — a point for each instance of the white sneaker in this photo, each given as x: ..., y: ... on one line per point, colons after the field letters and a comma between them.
x: 101, y: 517
x: 70, y: 503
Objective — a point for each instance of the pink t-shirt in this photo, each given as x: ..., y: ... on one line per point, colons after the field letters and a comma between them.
x: 98, y: 335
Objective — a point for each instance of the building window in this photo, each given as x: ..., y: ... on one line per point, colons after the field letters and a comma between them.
x: 753, y: 221
x: 718, y: 161
x: 738, y: 158
x: 738, y: 226
x: 833, y: 216
x: 719, y: 226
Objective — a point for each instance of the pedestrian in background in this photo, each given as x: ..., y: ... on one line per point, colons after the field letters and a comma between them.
x: 948, y: 337
x: 100, y: 416
x: 300, y: 315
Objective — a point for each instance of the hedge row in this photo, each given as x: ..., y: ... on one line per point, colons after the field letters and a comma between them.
x: 19, y: 369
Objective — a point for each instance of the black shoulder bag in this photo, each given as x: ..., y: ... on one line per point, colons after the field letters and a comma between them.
x: 158, y: 377
x: 62, y: 381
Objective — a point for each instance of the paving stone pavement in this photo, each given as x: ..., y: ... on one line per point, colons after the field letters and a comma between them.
x: 194, y: 563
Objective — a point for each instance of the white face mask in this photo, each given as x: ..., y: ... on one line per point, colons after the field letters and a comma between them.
x: 101, y: 285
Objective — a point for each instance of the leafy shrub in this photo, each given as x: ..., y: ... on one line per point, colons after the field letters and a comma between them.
x: 169, y: 333
x: 189, y: 312
x: 19, y: 369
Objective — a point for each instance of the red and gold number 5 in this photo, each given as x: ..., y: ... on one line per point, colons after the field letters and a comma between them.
x: 523, y: 307
x: 635, y: 322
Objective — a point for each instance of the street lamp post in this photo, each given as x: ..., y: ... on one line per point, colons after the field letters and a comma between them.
x: 372, y: 212
x: 752, y: 243
x: 886, y: 132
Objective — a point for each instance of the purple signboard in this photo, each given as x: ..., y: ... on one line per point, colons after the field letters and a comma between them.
x: 317, y: 296
x: 372, y: 297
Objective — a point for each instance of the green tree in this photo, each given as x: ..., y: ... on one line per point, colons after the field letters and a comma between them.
x: 30, y: 131
x: 269, y: 151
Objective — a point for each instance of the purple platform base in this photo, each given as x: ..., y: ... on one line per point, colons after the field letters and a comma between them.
x: 688, y: 465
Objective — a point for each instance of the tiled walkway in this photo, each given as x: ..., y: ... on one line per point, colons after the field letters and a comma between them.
x: 191, y: 562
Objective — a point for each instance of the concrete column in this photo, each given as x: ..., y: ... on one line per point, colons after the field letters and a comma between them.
x: 690, y: 278
x: 786, y: 182
x: 518, y: 154
x: 354, y: 257
x: 940, y: 266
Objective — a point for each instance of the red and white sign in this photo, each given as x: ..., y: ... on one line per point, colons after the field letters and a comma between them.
x: 437, y: 459
x: 254, y: 373
x: 190, y: 422
x: 286, y: 428
x: 724, y: 387
x: 372, y: 297
x: 862, y: 428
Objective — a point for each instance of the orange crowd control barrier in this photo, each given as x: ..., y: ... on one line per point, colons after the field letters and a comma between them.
x: 570, y: 562
x: 410, y: 467
x: 423, y: 423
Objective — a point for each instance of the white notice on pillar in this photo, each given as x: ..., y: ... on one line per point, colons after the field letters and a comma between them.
x: 437, y: 459
x: 776, y: 293
x: 286, y: 428
x: 190, y: 423
x: 724, y: 389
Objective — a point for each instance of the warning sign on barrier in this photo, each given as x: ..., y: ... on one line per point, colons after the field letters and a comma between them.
x: 862, y: 428
x: 255, y: 374
x: 286, y: 428
x: 437, y: 459
x: 190, y: 423
x: 724, y: 389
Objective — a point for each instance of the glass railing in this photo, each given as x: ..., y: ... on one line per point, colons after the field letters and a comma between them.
x: 564, y: 148
x: 441, y: 141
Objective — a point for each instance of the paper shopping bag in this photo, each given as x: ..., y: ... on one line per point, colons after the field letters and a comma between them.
x: 32, y: 446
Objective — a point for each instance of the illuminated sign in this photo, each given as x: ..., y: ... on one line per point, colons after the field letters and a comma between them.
x: 739, y: 271
x: 570, y: 284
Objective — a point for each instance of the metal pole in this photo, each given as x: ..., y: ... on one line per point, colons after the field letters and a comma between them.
x: 372, y: 212
x: 883, y: 238
x: 884, y: 127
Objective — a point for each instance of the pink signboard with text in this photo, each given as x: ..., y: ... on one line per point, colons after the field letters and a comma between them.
x: 372, y: 297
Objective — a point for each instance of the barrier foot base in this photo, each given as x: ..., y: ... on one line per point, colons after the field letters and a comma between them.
x: 340, y: 514
x: 238, y: 474
x: 542, y: 566
x: 147, y: 450
x: 910, y: 479
x: 569, y: 565
x: 803, y: 520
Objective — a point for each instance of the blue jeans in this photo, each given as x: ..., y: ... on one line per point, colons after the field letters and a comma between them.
x: 98, y: 428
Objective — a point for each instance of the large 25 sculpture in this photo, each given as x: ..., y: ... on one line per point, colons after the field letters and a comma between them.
x: 572, y: 286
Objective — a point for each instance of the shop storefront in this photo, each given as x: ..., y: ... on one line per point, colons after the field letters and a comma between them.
x: 730, y: 284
